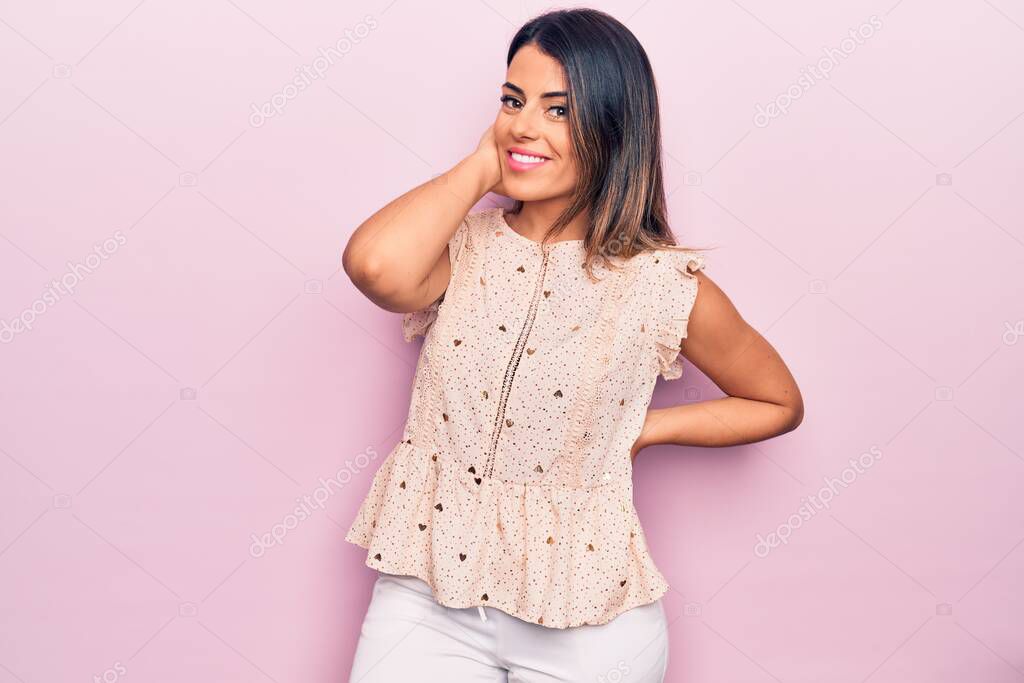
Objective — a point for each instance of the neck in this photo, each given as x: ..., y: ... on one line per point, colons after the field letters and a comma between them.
x: 537, y: 217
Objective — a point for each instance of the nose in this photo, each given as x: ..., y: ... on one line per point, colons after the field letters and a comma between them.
x: 524, y: 125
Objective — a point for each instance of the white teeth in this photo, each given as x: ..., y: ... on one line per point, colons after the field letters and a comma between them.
x: 524, y: 159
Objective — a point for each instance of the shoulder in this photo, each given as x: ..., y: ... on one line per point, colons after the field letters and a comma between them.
x: 483, y: 218
x: 678, y: 261
x: 475, y: 223
x: 665, y: 269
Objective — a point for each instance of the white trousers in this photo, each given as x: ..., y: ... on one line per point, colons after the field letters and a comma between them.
x: 408, y: 636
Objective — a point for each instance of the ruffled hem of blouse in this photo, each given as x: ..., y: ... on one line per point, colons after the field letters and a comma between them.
x: 502, y: 544
x: 672, y: 329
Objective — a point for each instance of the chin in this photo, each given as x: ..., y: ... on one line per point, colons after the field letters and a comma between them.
x: 530, y: 194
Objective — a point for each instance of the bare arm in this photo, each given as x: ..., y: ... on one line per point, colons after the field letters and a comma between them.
x: 398, y: 257
x: 762, y: 399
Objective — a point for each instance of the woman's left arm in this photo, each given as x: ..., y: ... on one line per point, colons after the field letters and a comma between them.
x: 762, y: 399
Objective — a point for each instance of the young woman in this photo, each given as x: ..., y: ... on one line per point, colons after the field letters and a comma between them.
x: 545, y: 328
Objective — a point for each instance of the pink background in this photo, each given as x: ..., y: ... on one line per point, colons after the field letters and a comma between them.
x: 213, y: 362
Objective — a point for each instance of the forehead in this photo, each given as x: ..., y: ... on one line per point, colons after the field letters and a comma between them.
x: 535, y: 72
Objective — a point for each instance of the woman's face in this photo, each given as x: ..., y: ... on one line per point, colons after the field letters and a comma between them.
x: 534, y: 120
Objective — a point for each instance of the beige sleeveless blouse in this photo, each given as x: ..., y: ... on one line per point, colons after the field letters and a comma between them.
x: 512, y: 485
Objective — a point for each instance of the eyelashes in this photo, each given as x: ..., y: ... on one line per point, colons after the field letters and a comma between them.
x: 512, y: 102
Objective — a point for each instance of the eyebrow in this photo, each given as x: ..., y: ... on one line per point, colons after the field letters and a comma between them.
x: 556, y: 93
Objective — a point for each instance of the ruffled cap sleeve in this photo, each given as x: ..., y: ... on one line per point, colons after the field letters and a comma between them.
x: 676, y: 297
x: 416, y: 323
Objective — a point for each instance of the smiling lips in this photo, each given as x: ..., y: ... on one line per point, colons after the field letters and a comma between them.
x: 521, y: 160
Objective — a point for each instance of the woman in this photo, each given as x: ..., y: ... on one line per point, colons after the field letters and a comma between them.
x: 545, y: 329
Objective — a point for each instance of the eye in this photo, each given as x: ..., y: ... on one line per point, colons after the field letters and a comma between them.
x: 510, y: 101
x: 563, y: 110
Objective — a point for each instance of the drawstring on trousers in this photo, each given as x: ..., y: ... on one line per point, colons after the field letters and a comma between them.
x: 480, y: 608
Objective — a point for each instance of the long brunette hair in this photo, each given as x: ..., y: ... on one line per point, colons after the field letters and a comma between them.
x: 615, y: 130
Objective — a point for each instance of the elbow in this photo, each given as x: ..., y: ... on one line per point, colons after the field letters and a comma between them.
x: 364, y: 271
x: 787, y: 414
x: 375, y: 281
x: 794, y: 415
x: 798, y: 417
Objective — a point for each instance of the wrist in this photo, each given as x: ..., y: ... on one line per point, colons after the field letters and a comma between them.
x: 482, y: 165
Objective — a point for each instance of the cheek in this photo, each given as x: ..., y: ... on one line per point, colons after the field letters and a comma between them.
x: 501, y: 126
x: 566, y: 159
x: 567, y: 171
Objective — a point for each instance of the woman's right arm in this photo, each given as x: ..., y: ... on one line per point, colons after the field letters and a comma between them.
x: 398, y: 257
